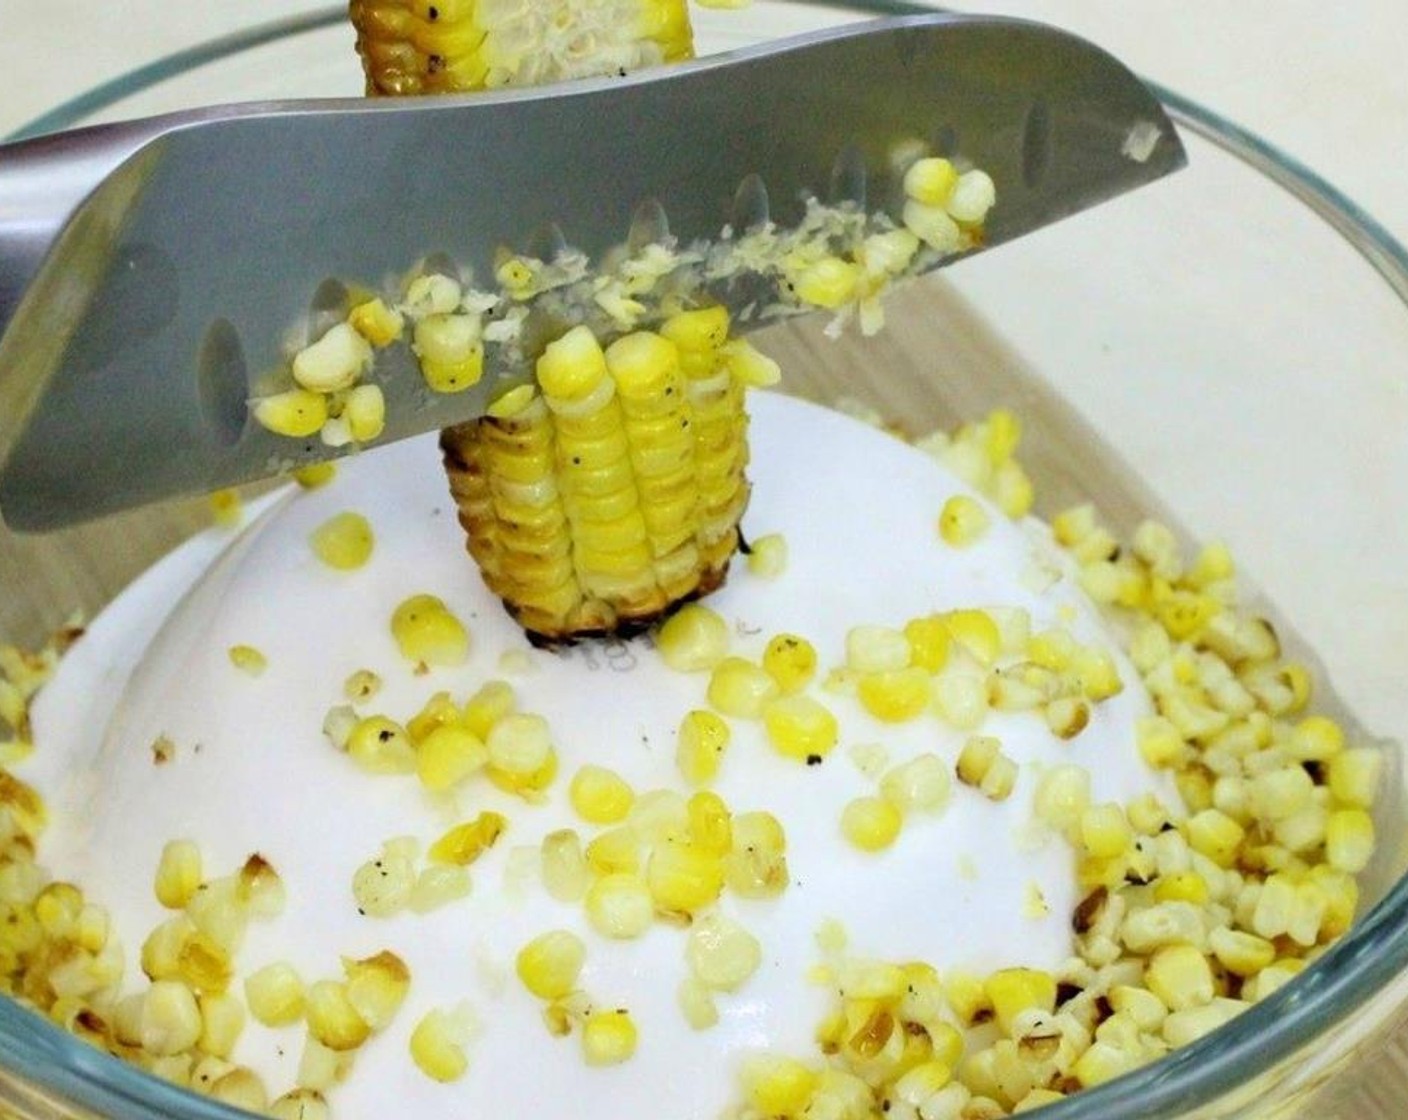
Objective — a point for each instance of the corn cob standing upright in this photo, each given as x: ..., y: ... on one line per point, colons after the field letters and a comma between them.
x: 609, y: 489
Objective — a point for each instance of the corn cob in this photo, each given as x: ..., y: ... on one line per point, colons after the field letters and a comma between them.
x: 610, y: 488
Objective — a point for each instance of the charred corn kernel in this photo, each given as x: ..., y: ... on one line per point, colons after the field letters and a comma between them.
x: 739, y: 688
x: 170, y: 1018
x: 376, y: 322
x: 222, y: 1023
x: 332, y: 1019
x: 800, y: 727
x: 427, y: 633
x: 1105, y: 832
x: 565, y: 872
x: 1160, y: 743
x: 767, y: 556
x: 1180, y: 976
x: 931, y: 181
x: 683, y: 878
x: 364, y: 410
x: 777, y: 1086
x: 381, y: 746
x: 616, y: 850
x: 982, y: 764
x: 465, y: 843
x: 696, y: 1003
x: 790, y: 661
x: 928, y: 642
x: 492, y: 702
x: 1317, y: 739
x: 962, y: 521
x: 710, y: 824
x: 620, y: 905
x: 448, y: 755
x: 829, y: 282
x: 876, y: 649
x: 693, y: 639
x: 1012, y: 991
x: 977, y: 632
x: 871, y: 824
x: 721, y: 954
x: 1349, y: 840
x: 609, y: 1038
x: 1354, y: 776
x: 248, y: 660
x: 296, y: 413
x: 376, y: 987
x: 315, y: 475
x: 333, y: 363
x: 920, y: 785
x: 549, y: 965
x: 276, y: 995
x: 702, y: 740
x: 600, y: 796
x: 897, y: 696
x: 438, y: 1044
x: 179, y: 874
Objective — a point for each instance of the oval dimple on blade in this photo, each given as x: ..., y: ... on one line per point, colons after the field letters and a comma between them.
x: 650, y: 225
x: 1037, y: 142
x: 751, y: 207
x: 222, y: 383
x: 327, y: 308
x: 546, y: 243
x: 849, y: 177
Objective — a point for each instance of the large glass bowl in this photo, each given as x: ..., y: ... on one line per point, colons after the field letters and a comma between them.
x: 1225, y: 348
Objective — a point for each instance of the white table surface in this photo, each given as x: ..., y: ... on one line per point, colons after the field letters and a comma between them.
x: 1327, y: 84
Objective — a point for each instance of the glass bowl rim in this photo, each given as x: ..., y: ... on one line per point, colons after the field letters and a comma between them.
x: 1362, y: 964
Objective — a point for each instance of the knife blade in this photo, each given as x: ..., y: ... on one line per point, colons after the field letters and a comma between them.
x: 153, y: 273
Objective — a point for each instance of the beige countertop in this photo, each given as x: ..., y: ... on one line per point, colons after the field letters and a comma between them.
x: 1327, y: 85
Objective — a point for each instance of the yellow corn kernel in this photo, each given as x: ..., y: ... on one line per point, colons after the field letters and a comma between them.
x: 962, y: 521
x: 170, y: 1018
x: 871, y: 824
x: 276, y: 995
x: 492, y: 702
x: 920, y: 785
x: 178, y: 875
x: 1317, y: 738
x: 1180, y: 976
x: 439, y: 711
x: 1354, y: 776
x: 566, y: 875
x: 376, y: 987
x: 427, y: 633
x: 705, y: 329
x: 739, y: 688
x: 1349, y: 840
x: 721, y: 954
x: 222, y: 1023
x: 683, y: 878
x: 777, y: 1086
x: 465, y: 843
x: 314, y: 476
x: 520, y: 744
x: 600, y: 796
x: 549, y: 965
x: 364, y: 413
x: 438, y: 1044
x: 1012, y: 991
x: 767, y: 556
x: 829, y: 282
x: 333, y: 363
x: 381, y: 746
x: 710, y: 824
x: 609, y: 1038
x: 932, y: 225
x: 696, y: 1004
x: 876, y: 649
x: 896, y: 696
x: 376, y: 322
x: 790, y: 661
x: 1105, y: 832
x: 616, y: 850
x: 977, y: 632
x: 620, y: 905
x: 801, y: 728
x: 1160, y: 743
x: 1242, y: 954
x: 1182, y: 886
x: 1214, y: 834
x: 757, y: 865
x: 700, y: 746
x: 332, y: 1019
x: 693, y: 639
x: 203, y: 965
x: 248, y: 660
x: 930, y: 180
x: 226, y: 508
x: 447, y: 756
x: 981, y: 763
x: 296, y: 413
x: 300, y: 1104
x: 451, y: 351
x: 383, y: 886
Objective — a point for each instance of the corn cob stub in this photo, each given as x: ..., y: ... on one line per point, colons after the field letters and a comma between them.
x: 610, y: 489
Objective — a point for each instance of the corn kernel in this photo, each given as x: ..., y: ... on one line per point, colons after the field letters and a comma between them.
x: 600, y: 796
x: 297, y: 413
x: 1216, y: 835
x: 1011, y: 991
x: 178, y: 875
x: 932, y: 225
x: 615, y: 850
x: 428, y: 634
x: 977, y: 632
x: 757, y: 865
x: 364, y: 412
x: 920, y: 785
x: 693, y: 639
x: 981, y: 763
x: 767, y: 556
x: 1062, y: 796
x: 1241, y: 953
x: 564, y: 866
x: 376, y: 987
x: 438, y: 1044
x: 314, y: 476
x: 376, y: 322
x: 701, y: 743
x: 222, y: 1022
x: 449, y: 755
x: 1105, y: 832
x: 300, y: 1104
x: 800, y: 728
x: 1160, y: 743
x: 248, y: 660
x: 721, y: 954
x: 739, y: 688
x: 710, y: 824
x: 1349, y: 840
x: 332, y: 1019
x: 930, y: 180
x: 876, y: 649
x: 871, y: 823
x: 1354, y: 776
x: 465, y: 843
x: 241, y: 1088
x: 550, y: 964
x: 170, y: 1018
x: 1180, y: 976
x: 972, y: 197
x: 1317, y: 738
x: 382, y: 886
x: 777, y: 1086
x: 381, y: 746
x: 697, y: 1005
x: 520, y: 744
x: 790, y: 661
x: 276, y: 995
x: 609, y: 1038
x: 682, y: 878
x: 620, y: 905
x: 451, y: 351
x: 896, y: 696
x: 963, y: 521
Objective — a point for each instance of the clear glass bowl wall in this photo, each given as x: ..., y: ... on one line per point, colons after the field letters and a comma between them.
x: 1224, y: 348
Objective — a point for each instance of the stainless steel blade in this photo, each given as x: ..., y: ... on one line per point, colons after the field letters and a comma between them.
x: 150, y: 272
